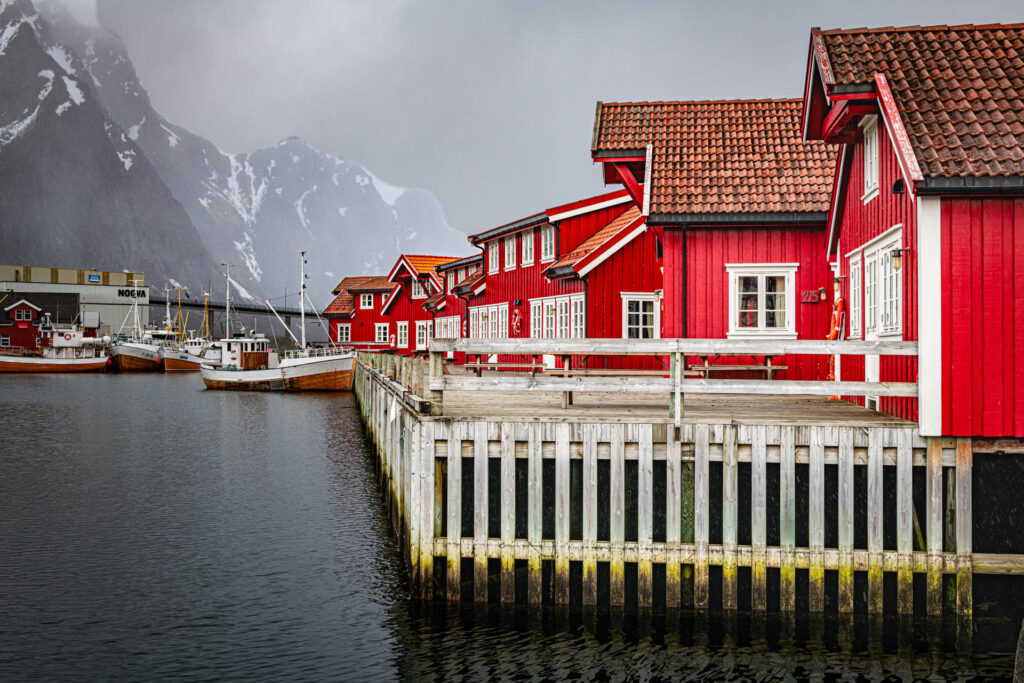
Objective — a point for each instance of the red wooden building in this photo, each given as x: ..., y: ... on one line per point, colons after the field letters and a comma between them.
x: 407, y: 325
x: 448, y: 307
x: 738, y: 204
x: 927, y: 214
x: 354, y: 316
x: 19, y: 325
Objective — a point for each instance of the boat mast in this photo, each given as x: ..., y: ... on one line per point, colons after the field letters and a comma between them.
x: 167, y: 311
x: 302, y: 295
x: 227, y: 299
x: 136, y: 324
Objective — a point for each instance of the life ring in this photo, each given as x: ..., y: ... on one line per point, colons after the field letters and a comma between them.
x: 517, y: 321
x: 67, y: 336
x: 392, y: 340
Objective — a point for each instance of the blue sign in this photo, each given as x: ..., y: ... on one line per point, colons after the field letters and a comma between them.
x: 93, y: 277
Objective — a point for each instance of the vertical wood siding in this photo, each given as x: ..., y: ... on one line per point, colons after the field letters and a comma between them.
x: 862, y: 222
x: 708, y: 250
x: 405, y: 309
x: 362, y: 321
x: 982, y: 329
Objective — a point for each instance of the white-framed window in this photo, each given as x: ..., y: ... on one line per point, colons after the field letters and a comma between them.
x: 510, y: 252
x: 855, y: 297
x: 527, y: 241
x: 380, y: 331
x: 641, y: 318
x: 762, y: 300
x: 448, y: 327
x: 492, y: 322
x: 474, y: 324
x: 536, y: 324
x: 549, y: 319
x: 869, y: 128
x: 492, y: 256
x: 421, y: 335
x: 579, y: 318
x: 564, y: 321
x: 503, y: 321
x: 883, y: 285
x: 451, y: 280
x: 344, y: 333
x: 366, y: 301
x: 402, y: 333
x: 547, y: 243
x: 416, y: 290
x: 5, y: 340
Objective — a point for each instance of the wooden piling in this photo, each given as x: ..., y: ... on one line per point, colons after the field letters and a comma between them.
x: 904, y: 523
x: 456, y: 433
x: 617, y: 568
x: 730, y: 500
x: 701, y: 513
x: 508, y: 513
x: 645, y: 514
x: 787, y: 518
x: 758, y: 521
x: 964, y: 579
x: 875, y: 521
x: 480, y: 477
x: 534, y: 516
x: 846, y: 520
x: 590, y: 503
x: 561, y: 514
x: 816, y: 521
x: 673, y: 512
x: 933, y: 493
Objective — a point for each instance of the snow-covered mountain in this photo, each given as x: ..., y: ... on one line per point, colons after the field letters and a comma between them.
x: 256, y: 209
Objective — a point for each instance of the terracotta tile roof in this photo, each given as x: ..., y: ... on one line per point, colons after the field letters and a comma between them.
x: 427, y: 264
x: 343, y: 304
x: 432, y: 301
x: 377, y: 283
x: 739, y: 156
x: 959, y: 90
x: 596, y: 240
x: 349, y: 282
x: 470, y: 281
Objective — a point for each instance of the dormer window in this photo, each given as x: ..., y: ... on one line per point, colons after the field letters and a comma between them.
x: 869, y: 128
x: 417, y: 290
x: 366, y: 301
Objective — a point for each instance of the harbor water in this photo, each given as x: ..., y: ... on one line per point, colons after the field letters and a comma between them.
x: 150, y: 530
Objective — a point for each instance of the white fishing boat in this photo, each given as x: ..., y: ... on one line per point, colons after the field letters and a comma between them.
x: 185, y: 354
x: 62, y: 349
x: 138, y: 348
x: 248, y: 363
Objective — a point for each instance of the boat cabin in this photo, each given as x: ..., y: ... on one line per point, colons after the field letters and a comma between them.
x: 243, y: 353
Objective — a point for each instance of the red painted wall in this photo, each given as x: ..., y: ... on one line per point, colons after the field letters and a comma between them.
x: 409, y: 310
x: 982, y: 329
x: 708, y: 250
x: 362, y: 321
x: 862, y: 222
x: 21, y: 332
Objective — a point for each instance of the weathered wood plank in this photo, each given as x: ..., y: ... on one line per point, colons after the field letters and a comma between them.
x: 664, y: 347
x: 730, y: 514
x: 426, y: 520
x: 875, y: 520
x: 662, y: 385
x: 758, y: 521
x: 904, y: 523
x: 933, y: 493
x: 964, y: 485
x: 561, y: 513
x: 673, y: 511
x: 816, y: 520
x: 787, y: 518
x: 508, y: 513
x: 454, y: 550
x: 534, y: 507
x: 480, y: 477
x: 590, y: 503
x: 846, y: 520
x: 617, y: 530
x: 645, y: 513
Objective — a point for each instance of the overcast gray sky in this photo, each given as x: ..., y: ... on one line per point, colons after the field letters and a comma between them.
x: 489, y: 105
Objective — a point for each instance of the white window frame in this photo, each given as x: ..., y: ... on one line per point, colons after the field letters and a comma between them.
x: 421, y: 335
x: 402, y: 335
x: 377, y: 336
x: 564, y: 318
x: 856, y: 296
x: 527, y: 247
x: 344, y: 338
x: 451, y: 280
x: 492, y: 256
x: 558, y: 317
x: 503, y: 321
x: 366, y: 301
x: 5, y: 340
x: 651, y: 297
x: 510, y: 252
x: 579, y: 317
x: 416, y: 290
x: 883, y: 285
x: 869, y: 149
x: 492, y: 322
x: 550, y: 318
x: 761, y: 270
x: 547, y: 243
x: 536, y: 320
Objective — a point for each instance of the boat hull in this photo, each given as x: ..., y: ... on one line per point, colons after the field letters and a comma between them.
x: 38, y: 364
x: 136, y: 358
x: 175, y: 360
x: 242, y: 380
x: 318, y: 374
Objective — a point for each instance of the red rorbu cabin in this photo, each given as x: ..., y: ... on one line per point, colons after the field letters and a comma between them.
x: 406, y: 325
x: 354, y: 316
x: 738, y: 204
x: 21, y: 327
x: 927, y: 214
x: 448, y: 307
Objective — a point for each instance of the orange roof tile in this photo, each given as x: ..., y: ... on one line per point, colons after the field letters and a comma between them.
x: 596, y: 240
x: 959, y: 90
x: 377, y: 283
x: 738, y: 156
x: 427, y: 264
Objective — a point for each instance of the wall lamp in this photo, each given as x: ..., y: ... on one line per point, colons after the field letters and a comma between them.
x: 897, y: 257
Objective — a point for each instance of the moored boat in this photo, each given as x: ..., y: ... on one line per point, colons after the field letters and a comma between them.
x: 63, y: 349
x: 246, y: 363
x: 317, y: 370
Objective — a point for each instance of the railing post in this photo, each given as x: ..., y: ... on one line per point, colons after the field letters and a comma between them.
x: 676, y: 406
x: 436, y: 372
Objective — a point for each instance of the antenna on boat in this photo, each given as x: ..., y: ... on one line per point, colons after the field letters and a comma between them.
x: 302, y: 295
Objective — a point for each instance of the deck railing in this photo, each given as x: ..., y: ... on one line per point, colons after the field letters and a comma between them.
x: 675, y: 381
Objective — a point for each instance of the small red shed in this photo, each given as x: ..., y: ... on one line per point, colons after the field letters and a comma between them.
x: 736, y: 203
x: 355, y: 313
x: 21, y: 326
x: 927, y: 214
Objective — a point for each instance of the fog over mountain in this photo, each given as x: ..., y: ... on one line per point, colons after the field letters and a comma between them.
x: 94, y: 176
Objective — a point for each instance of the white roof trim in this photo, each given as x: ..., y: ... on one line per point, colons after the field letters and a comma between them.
x: 589, y: 208
x: 19, y: 303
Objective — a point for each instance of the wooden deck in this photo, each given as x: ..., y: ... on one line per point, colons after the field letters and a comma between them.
x: 708, y: 408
